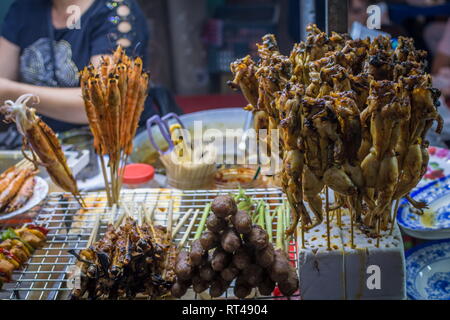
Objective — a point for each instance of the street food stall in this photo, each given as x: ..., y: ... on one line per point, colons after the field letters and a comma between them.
x: 305, y: 193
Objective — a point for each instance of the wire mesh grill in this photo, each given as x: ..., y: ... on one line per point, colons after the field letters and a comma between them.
x: 45, y: 276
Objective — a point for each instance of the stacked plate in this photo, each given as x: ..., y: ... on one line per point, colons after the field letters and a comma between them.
x: 434, y: 189
x: 434, y: 224
x: 428, y: 271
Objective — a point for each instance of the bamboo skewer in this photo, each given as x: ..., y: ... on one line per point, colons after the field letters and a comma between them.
x: 302, y: 230
x: 24, y: 164
x: 327, y: 209
x: 378, y: 232
x: 182, y: 222
x: 170, y: 218
x: 94, y: 233
x: 105, y: 178
x: 352, y: 232
x: 112, y: 217
x: 394, y: 216
x: 141, y: 216
x: 149, y: 213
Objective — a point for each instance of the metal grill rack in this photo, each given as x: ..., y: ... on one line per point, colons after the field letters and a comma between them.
x: 45, y: 276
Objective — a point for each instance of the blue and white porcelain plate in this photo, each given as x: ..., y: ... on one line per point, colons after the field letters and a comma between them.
x: 435, y: 222
x: 428, y: 271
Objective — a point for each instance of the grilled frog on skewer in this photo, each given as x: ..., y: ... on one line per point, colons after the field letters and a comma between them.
x: 245, y: 80
x: 361, y: 130
x: 379, y: 63
x: 388, y: 105
x: 289, y: 104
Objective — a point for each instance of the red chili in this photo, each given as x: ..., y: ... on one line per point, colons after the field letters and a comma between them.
x: 9, y: 254
x: 39, y: 228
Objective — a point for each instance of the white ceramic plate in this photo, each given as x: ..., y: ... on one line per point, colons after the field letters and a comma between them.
x: 428, y: 271
x: 436, y: 194
x: 39, y: 193
x: 435, y: 223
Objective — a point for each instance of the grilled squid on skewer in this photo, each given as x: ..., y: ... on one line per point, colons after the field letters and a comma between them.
x: 42, y: 142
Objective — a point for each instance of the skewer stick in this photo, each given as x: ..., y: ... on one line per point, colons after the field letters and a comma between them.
x: 394, y: 216
x: 119, y: 219
x: 175, y: 221
x: 105, y: 178
x: 378, y: 231
x: 94, y: 233
x: 188, y: 230
x: 170, y: 218
x: 339, y: 217
x: 182, y: 222
x: 148, y: 213
x: 113, y: 183
x: 24, y: 164
x: 352, y: 227
x: 127, y: 210
x: 327, y: 209
x: 112, y: 217
x: 141, y: 216
x: 302, y: 226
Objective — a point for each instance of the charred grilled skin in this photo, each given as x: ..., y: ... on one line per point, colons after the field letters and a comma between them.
x: 127, y: 261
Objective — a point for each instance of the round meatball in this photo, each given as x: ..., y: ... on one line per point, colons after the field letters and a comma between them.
x: 209, y: 240
x: 230, y: 240
x: 224, y: 206
x: 257, y: 237
x: 242, y: 222
x: 215, y: 224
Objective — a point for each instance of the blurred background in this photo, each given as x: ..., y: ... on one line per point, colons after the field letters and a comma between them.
x: 193, y: 42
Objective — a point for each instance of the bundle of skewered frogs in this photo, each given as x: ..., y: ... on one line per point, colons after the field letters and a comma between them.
x: 352, y: 116
x: 114, y: 95
x: 132, y: 258
x: 233, y: 248
x: 42, y: 142
x: 16, y: 188
x: 17, y: 246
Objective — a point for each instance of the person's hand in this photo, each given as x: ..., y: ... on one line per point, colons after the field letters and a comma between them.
x: 442, y: 81
x: 5, y: 90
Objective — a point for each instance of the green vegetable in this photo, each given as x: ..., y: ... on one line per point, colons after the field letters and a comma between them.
x: 243, y: 201
x: 280, y: 236
x: 11, y: 234
x: 286, y: 222
x: 268, y: 218
x: 261, y: 216
x: 202, y: 223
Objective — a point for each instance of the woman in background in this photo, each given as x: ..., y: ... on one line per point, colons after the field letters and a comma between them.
x: 45, y: 43
x: 441, y: 63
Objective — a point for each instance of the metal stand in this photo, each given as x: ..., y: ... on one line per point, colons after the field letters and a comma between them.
x: 336, y: 13
x: 307, y: 16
